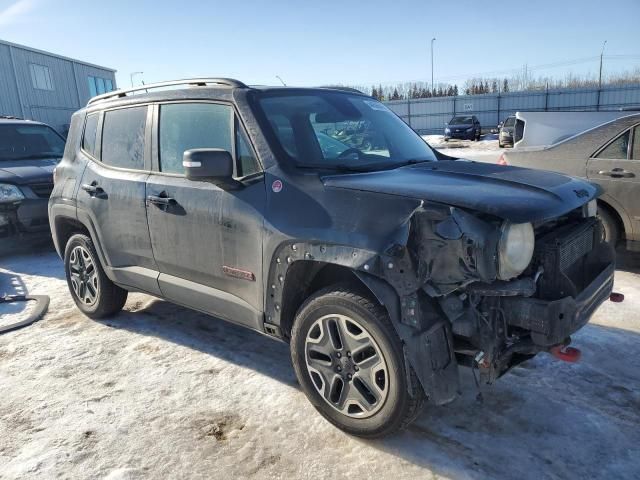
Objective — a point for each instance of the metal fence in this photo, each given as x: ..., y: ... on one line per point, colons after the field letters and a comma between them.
x: 428, y: 115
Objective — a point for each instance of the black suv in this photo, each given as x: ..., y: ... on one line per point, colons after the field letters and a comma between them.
x: 385, y: 269
x: 29, y: 151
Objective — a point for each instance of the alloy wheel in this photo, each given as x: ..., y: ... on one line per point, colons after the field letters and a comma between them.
x: 84, y: 276
x: 346, y: 366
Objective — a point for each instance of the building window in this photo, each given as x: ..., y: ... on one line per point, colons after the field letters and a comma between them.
x: 41, y: 77
x: 98, y: 85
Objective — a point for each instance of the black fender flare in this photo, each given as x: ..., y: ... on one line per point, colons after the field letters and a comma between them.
x: 425, y: 333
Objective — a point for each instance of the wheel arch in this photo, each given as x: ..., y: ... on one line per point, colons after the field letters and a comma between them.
x: 622, y: 219
x: 305, y: 277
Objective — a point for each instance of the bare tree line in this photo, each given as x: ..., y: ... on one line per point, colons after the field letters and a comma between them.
x: 521, y: 82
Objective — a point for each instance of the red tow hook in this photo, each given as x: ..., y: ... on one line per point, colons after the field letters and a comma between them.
x: 616, y: 297
x: 565, y: 353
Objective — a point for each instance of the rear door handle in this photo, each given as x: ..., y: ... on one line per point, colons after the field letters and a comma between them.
x: 162, y: 201
x: 92, y: 188
x: 617, y: 173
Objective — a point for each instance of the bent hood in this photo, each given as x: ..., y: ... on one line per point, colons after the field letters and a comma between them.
x: 516, y: 194
x: 21, y: 172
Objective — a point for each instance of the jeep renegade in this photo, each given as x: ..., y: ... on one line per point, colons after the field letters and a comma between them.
x: 386, y: 268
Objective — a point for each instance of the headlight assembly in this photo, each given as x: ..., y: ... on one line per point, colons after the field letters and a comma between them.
x: 515, y: 249
x: 10, y: 193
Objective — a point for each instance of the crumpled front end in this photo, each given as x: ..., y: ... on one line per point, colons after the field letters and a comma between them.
x: 496, y: 324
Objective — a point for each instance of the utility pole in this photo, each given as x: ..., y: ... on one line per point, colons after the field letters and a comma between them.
x: 600, y: 76
x: 432, y: 40
x: 133, y: 74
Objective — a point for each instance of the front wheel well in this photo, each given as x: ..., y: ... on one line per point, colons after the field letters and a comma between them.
x: 303, y: 279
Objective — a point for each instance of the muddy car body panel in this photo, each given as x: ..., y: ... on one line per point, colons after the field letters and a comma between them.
x: 426, y: 237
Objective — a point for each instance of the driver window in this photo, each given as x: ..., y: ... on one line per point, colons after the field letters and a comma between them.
x: 184, y: 126
x: 617, y: 150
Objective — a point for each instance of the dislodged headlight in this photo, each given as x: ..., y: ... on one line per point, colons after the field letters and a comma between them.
x: 515, y: 249
x: 10, y: 193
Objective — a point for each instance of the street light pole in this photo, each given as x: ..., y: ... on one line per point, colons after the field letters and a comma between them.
x: 601, y: 55
x: 281, y: 81
x: 133, y: 74
x: 432, y: 40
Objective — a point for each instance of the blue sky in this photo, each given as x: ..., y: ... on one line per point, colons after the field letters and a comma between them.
x: 327, y: 42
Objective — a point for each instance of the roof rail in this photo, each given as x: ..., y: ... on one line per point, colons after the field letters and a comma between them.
x: 194, y: 82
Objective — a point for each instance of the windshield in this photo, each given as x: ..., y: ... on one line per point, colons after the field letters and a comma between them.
x: 461, y: 121
x: 23, y: 142
x: 337, y: 130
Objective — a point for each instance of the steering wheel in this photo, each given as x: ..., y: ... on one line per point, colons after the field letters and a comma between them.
x: 349, y: 151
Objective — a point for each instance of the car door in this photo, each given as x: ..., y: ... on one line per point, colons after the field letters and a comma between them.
x: 616, y: 166
x: 206, y: 241
x: 111, y: 199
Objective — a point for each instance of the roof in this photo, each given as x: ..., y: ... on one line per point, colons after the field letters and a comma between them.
x: 194, y: 88
x: 54, y: 55
x: 15, y: 120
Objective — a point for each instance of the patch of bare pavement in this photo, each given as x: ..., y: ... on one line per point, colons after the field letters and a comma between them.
x: 159, y: 391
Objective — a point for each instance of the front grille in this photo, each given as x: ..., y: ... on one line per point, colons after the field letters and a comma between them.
x: 42, y: 190
x: 561, y: 253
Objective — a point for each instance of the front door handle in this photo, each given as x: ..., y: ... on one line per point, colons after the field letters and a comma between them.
x: 161, y: 200
x: 617, y: 173
x: 92, y: 188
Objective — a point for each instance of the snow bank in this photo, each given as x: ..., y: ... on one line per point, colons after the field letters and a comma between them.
x: 163, y: 392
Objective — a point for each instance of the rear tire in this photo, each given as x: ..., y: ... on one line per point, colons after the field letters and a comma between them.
x: 95, y: 295
x: 611, y: 228
x: 367, y: 393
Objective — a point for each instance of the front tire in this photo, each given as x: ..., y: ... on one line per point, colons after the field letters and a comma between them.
x: 349, y: 361
x: 94, y: 294
x: 611, y: 230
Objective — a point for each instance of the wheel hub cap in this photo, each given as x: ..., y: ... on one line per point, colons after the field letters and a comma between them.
x: 83, y: 276
x: 346, y: 366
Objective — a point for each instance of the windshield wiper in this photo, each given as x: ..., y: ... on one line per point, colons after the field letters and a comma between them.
x: 415, y: 161
x: 340, y: 167
x: 40, y: 155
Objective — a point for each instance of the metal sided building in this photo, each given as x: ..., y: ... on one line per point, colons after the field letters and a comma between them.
x: 46, y: 87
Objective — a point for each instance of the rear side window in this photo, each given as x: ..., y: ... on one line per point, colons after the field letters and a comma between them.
x: 89, y: 138
x: 510, y: 122
x: 123, y: 137
x: 636, y: 143
x: 184, y: 126
x: 617, y: 150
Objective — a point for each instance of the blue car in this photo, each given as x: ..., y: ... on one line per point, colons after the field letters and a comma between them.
x: 463, y: 127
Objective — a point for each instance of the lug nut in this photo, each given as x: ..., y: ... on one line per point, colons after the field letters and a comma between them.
x: 349, y: 376
x: 349, y: 354
x: 356, y: 368
x: 338, y: 354
x: 339, y: 368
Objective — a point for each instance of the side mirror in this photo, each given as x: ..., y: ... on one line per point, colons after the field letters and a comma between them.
x: 213, y: 165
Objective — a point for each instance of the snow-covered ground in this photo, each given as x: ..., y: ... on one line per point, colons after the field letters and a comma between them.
x: 486, y: 150
x: 163, y: 392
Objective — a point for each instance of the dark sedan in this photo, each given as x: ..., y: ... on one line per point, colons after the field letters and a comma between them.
x: 29, y: 151
x: 464, y: 127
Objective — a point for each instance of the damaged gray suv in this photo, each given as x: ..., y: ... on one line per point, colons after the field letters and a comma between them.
x: 386, y: 267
